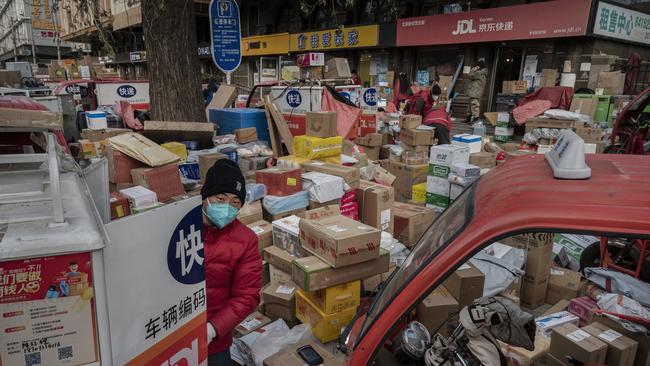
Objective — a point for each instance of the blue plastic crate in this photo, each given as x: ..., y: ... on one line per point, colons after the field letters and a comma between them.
x: 230, y: 119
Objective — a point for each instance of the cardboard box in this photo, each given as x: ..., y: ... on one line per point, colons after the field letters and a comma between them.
x: 289, y: 356
x: 101, y: 135
x: 586, y: 106
x: 340, y: 241
x: 372, y: 152
x: 383, y: 176
x: 549, y: 78
x: 139, y: 197
x: 164, y: 131
x: 206, y: 161
x: 349, y: 174
x: 518, y: 356
x: 514, y: 87
x: 591, y: 135
x: 224, y: 97
x: 465, y: 284
x: 321, y: 212
x: 442, y: 157
x: 415, y: 137
x: 612, y: 82
x: 279, y: 258
x: 322, y: 124
x: 311, y: 273
x: 291, y: 162
x: 286, y: 234
x: 279, y: 301
x: 250, y: 213
x: 251, y: 323
x: 546, y: 323
x: 337, y: 68
x: 371, y: 139
x: 643, y: 352
x: 419, y: 193
x: 246, y: 135
x: 437, y: 309
x: 12, y: 78
x: 280, y: 182
x: 569, y: 340
x: 323, y: 188
x: 267, y: 216
x: 264, y: 232
x: 410, y: 222
x: 336, y: 298
x: 583, y: 307
x: 473, y: 142
x: 120, y: 165
x: 376, y: 202
x: 325, y: 327
x: 545, y: 122
x: 278, y: 276
x: 438, y: 192
x: 119, y: 205
x: 317, y: 148
x: 563, y: 284
x: 407, y: 176
x: 164, y: 180
x: 621, y: 350
x: 410, y: 121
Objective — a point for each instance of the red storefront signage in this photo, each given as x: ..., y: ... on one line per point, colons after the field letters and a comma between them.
x: 551, y: 19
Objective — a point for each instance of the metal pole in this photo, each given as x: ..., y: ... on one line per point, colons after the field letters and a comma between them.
x: 33, y: 45
x: 228, y: 78
x: 55, y: 9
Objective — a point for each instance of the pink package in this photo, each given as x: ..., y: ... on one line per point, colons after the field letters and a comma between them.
x: 583, y: 307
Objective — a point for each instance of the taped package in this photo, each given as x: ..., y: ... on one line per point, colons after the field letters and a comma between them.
x: 323, y: 187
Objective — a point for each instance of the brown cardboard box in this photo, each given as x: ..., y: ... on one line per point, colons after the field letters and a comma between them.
x: 164, y: 180
x: 465, y: 284
x: 372, y: 152
x: 321, y: 212
x: 270, y: 218
x: 535, y: 281
x: 621, y: 350
x: 375, y: 203
x: 415, y: 137
x: 246, y: 135
x: 119, y: 206
x: 280, y: 182
x: 10, y: 78
x: 289, y: 356
x: 417, y: 148
x: 279, y: 301
x: 437, y: 309
x: 484, y: 160
x: 552, y: 361
x: 224, y: 97
x: 340, y: 241
x: 264, y: 232
x: 315, y: 205
x: 569, y: 340
x: 251, y: 323
x: 613, y: 82
x: 371, y: 139
x: 321, y: 124
x: 586, y: 106
x: 410, y: 120
x: 349, y: 174
x: 120, y: 165
x: 591, y: 135
x: 250, y: 213
x: 279, y: 258
x: 337, y: 68
x: 411, y: 221
x: 383, y: 176
x: 559, y: 306
x: 643, y: 352
x: 278, y: 276
x: 165, y: 131
x: 563, y: 284
x: 549, y: 78
x: 206, y: 161
x: 407, y: 177
x: 515, y: 87
x: 311, y: 273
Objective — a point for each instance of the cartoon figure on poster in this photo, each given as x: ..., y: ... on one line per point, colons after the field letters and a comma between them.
x: 69, y: 282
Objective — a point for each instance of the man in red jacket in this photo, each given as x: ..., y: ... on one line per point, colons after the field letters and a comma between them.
x: 233, y: 266
x: 425, y: 103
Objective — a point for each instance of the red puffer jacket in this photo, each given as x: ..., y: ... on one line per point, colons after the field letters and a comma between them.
x: 233, y: 279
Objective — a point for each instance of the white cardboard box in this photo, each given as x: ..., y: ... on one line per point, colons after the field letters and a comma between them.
x: 545, y: 324
x: 323, y: 187
x: 140, y: 197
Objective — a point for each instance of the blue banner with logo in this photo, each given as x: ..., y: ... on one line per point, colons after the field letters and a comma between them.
x: 225, y: 27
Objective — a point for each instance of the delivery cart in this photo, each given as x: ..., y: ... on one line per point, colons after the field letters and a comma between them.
x: 614, y: 201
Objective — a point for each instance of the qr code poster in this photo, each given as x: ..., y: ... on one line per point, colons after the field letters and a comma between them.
x: 47, y: 311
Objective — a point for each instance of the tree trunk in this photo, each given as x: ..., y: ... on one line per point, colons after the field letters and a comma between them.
x: 174, y: 68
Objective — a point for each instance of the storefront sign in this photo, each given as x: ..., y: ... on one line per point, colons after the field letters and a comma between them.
x: 47, y: 311
x: 155, y: 287
x: 331, y: 39
x: 550, y: 19
x: 225, y: 27
x: 620, y: 23
x: 136, y: 93
x: 272, y: 44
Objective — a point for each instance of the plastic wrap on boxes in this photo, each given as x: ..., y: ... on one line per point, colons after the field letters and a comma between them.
x: 323, y: 187
x: 253, y: 149
x: 255, y: 192
x: 276, y: 205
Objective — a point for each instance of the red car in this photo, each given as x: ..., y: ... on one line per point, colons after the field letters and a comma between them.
x: 519, y: 197
x: 630, y: 130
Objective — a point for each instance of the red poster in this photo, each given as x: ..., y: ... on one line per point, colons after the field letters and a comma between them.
x: 551, y: 19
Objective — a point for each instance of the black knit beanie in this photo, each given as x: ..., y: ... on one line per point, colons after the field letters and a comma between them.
x: 224, y: 177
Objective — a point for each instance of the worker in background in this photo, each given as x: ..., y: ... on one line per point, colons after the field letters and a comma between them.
x: 356, y: 80
x: 233, y: 266
x: 477, y: 80
x: 425, y: 103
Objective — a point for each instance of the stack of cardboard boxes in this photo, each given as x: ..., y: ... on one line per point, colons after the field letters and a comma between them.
x: 441, y: 161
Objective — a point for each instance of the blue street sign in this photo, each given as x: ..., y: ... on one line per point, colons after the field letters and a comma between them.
x: 225, y: 27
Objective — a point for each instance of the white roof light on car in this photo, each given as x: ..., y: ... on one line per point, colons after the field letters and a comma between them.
x: 567, y: 159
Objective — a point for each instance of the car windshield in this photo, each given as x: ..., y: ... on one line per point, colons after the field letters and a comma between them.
x: 439, y: 234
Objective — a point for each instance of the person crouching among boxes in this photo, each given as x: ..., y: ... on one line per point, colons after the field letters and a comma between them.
x: 233, y: 266
x: 425, y: 103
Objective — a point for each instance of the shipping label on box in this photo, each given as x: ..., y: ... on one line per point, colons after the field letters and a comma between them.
x: 570, y: 341
x: 279, y: 301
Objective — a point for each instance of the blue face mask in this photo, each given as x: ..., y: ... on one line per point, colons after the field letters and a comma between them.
x: 220, y: 214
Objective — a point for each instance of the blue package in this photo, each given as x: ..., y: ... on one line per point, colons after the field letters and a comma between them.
x: 276, y: 205
x: 231, y: 153
x: 190, y: 171
x: 230, y: 119
x: 255, y: 191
